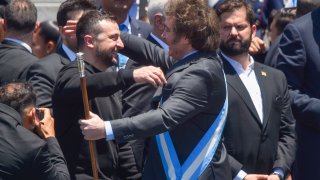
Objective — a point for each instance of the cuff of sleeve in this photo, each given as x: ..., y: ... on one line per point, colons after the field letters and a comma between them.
x: 127, y: 75
x: 279, y: 172
x: 240, y: 176
x: 109, y: 132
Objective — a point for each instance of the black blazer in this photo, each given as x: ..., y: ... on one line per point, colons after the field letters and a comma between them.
x: 42, y: 76
x: 14, y: 62
x: 192, y: 98
x: 299, y: 59
x: 68, y: 109
x: 24, y: 155
x: 252, y: 146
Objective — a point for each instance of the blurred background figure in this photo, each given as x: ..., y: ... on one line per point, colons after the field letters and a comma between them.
x: 45, y: 39
x: 279, y: 21
x: 3, y: 3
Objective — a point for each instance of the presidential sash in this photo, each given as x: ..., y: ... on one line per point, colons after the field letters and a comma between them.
x: 200, y: 156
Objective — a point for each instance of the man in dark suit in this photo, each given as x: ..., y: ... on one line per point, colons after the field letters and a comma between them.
x: 24, y: 155
x: 98, y: 38
x: 137, y: 98
x: 15, y: 51
x: 68, y: 15
x: 42, y: 74
x: 299, y: 60
x: 259, y: 134
x: 192, y: 100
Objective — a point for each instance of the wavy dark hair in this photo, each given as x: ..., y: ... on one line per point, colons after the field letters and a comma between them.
x: 195, y: 20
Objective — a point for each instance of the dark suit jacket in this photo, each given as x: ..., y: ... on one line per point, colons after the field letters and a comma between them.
x: 14, y: 62
x: 252, y: 146
x: 272, y: 54
x: 42, y: 76
x: 140, y: 27
x: 68, y: 109
x: 24, y: 155
x: 192, y: 98
x: 298, y: 58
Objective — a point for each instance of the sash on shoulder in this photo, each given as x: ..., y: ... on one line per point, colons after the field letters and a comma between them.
x: 200, y: 156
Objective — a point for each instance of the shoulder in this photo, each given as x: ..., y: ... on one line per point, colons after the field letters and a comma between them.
x: 276, y: 73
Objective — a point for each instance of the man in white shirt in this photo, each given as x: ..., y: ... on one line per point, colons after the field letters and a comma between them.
x: 259, y: 133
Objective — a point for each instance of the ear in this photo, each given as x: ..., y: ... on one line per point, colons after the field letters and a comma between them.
x: 51, y: 47
x: 158, y: 22
x: 4, y: 24
x: 61, y: 33
x: 88, y: 41
x: 37, y: 26
x: 254, y: 31
x: 29, y: 118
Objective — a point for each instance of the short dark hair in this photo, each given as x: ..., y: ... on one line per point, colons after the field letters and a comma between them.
x: 88, y: 24
x: 232, y: 5
x: 20, y: 16
x: 17, y: 95
x: 283, y: 17
x: 71, y: 6
x: 49, y: 30
x: 195, y: 20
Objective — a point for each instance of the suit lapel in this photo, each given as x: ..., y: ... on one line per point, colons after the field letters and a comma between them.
x: 262, y: 78
x: 236, y: 84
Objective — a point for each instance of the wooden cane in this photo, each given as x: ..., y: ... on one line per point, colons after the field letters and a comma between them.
x: 83, y: 83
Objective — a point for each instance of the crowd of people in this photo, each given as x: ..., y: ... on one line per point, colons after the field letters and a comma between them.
x: 222, y: 90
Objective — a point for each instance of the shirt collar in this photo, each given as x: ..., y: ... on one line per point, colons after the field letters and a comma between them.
x: 162, y: 44
x: 21, y: 43
x: 126, y: 23
x: 71, y: 55
x: 189, y: 54
x: 237, y: 66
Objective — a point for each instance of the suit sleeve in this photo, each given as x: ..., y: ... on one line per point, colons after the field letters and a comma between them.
x: 287, y: 138
x: 235, y: 165
x: 145, y: 52
x: 50, y: 163
x: 98, y: 84
x: 185, y: 101
x: 291, y: 60
x: 39, y: 76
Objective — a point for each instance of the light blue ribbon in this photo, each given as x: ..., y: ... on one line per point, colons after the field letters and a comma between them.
x: 200, y: 156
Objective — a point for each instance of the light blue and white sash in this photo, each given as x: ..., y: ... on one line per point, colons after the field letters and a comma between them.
x: 200, y: 156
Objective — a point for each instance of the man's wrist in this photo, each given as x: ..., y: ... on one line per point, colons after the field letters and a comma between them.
x: 278, y: 174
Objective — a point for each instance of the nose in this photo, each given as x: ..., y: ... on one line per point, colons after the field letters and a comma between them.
x: 120, y: 44
x: 234, y: 31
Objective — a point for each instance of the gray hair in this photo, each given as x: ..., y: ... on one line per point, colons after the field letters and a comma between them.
x: 154, y: 7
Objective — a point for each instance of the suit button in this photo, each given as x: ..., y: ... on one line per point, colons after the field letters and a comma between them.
x: 264, y: 137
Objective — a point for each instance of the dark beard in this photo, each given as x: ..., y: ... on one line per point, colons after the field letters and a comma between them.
x: 232, y: 50
x: 105, y: 56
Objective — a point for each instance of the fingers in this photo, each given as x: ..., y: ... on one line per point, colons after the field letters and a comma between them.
x: 150, y: 74
x: 257, y: 46
x: 70, y: 28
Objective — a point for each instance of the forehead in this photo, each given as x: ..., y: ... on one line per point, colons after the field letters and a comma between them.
x: 236, y: 16
x: 109, y: 27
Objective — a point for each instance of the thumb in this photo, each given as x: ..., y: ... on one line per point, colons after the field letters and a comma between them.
x: 92, y: 115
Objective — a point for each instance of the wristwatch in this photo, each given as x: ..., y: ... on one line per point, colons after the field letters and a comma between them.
x: 278, y: 174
